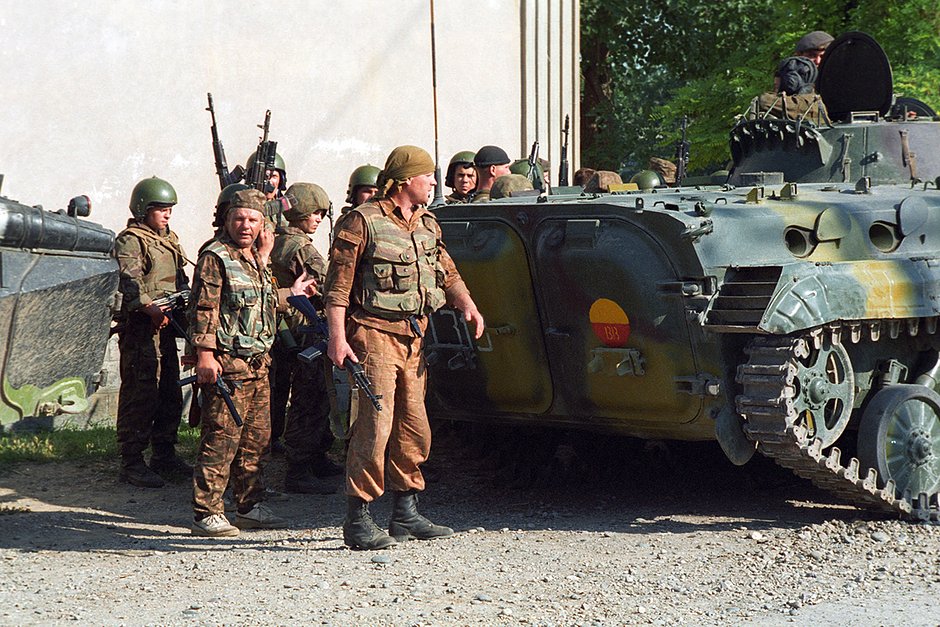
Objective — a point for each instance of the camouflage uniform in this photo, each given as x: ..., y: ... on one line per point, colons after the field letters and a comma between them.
x: 380, y: 263
x: 458, y: 198
x: 150, y: 403
x: 482, y: 195
x: 306, y: 433
x: 232, y: 312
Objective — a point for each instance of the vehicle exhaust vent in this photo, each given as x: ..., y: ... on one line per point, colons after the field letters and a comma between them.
x: 743, y: 298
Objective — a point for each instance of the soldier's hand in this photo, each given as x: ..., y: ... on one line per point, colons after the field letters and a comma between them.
x: 208, y: 368
x: 157, y: 316
x: 338, y: 350
x: 468, y: 308
x: 265, y: 244
x: 305, y: 285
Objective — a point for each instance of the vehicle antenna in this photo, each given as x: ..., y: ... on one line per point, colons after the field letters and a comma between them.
x: 438, y: 194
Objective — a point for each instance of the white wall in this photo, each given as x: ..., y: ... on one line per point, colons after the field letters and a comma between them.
x: 98, y: 95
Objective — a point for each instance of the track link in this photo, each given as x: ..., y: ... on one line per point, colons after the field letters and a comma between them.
x: 769, y: 388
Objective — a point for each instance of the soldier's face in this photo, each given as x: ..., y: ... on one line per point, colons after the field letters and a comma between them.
x: 274, y: 180
x: 419, y: 188
x: 158, y: 218
x: 816, y: 56
x: 309, y: 224
x: 243, y: 226
x: 364, y: 193
x: 465, y: 179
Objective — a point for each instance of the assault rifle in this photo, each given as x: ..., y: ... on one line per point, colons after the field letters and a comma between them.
x: 226, y: 178
x: 176, y: 300
x: 264, y: 159
x: 682, y: 153
x: 533, y: 162
x: 563, y: 166
x: 223, y: 387
x: 319, y: 326
x: 221, y: 384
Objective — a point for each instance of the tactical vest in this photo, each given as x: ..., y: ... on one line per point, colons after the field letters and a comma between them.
x: 286, y: 245
x: 401, y: 271
x: 247, y: 309
x: 165, y: 258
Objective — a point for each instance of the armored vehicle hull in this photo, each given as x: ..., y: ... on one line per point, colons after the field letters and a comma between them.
x: 794, y: 313
x: 57, y: 284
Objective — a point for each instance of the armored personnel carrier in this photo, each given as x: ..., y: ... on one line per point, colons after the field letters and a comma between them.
x: 57, y: 284
x: 793, y: 311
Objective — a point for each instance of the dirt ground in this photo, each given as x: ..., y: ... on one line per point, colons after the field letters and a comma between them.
x: 553, y: 529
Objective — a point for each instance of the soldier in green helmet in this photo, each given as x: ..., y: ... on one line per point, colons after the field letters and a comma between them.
x: 307, y: 436
x: 275, y: 185
x: 461, y: 177
x: 363, y: 184
x: 535, y: 174
x: 150, y: 404
x: 388, y: 272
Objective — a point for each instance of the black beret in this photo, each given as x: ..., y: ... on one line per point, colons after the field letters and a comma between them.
x: 490, y: 155
x: 813, y: 41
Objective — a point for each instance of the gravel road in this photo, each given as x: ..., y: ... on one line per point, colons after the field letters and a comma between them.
x: 551, y: 531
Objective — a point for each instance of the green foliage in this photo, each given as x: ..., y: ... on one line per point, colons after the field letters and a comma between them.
x: 95, y: 444
x: 646, y: 64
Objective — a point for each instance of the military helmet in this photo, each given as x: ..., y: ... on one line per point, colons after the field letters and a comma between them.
x: 152, y: 191
x: 278, y: 165
x: 647, y: 179
x: 365, y: 175
x: 521, y: 166
x: 225, y: 197
x: 464, y: 158
x: 306, y: 198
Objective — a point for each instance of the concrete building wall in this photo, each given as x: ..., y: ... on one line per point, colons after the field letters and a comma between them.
x: 101, y: 94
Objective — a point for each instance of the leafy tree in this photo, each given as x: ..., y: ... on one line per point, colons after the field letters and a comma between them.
x: 646, y: 64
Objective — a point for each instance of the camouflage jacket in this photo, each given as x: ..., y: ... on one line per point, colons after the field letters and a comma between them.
x: 457, y: 198
x: 482, y: 195
x: 213, y: 302
x: 151, y: 265
x: 353, y: 252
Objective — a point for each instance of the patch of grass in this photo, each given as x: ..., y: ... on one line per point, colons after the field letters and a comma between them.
x: 94, y: 444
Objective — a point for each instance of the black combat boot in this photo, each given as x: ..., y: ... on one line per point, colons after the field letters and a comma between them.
x: 301, y: 480
x: 135, y: 472
x: 407, y: 523
x: 360, y: 531
x: 167, y: 463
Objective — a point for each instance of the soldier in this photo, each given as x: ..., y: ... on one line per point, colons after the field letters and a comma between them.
x: 461, y: 177
x: 275, y: 204
x: 232, y: 316
x: 150, y: 405
x: 535, y: 175
x: 221, y: 206
x: 307, y: 436
x: 388, y: 271
x: 813, y: 46
x: 491, y: 163
x: 362, y: 186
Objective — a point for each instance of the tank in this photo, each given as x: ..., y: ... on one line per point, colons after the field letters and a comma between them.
x: 792, y: 312
x: 57, y: 285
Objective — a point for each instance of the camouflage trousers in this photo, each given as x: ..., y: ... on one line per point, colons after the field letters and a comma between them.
x: 226, y: 449
x: 150, y: 403
x: 388, y: 447
x: 307, y: 435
